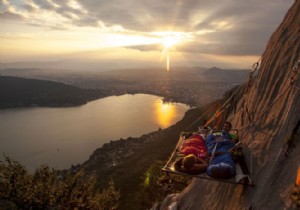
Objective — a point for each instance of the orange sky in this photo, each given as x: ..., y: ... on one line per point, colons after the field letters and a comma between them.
x: 202, y: 33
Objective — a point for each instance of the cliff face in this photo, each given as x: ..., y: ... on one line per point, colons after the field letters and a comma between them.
x: 267, y: 115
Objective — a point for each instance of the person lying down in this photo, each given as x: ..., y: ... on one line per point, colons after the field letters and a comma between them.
x: 192, y: 155
x: 211, y: 156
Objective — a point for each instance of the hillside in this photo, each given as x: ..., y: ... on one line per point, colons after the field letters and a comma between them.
x: 20, y: 92
x: 266, y: 113
x: 125, y: 161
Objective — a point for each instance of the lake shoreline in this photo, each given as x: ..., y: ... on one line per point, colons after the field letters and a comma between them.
x: 165, y: 99
x: 39, y: 135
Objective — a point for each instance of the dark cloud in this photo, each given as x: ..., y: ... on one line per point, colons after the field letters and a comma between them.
x: 222, y: 49
x: 10, y: 16
x: 87, y: 21
x: 3, y: 5
x: 139, y: 15
x: 247, y: 41
x: 29, y: 8
x: 153, y: 47
x: 249, y: 17
x: 44, y: 4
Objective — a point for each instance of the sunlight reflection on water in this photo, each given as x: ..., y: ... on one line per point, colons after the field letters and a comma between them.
x: 64, y: 136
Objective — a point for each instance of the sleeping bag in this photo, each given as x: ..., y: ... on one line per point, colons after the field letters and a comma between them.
x: 195, y: 145
x: 192, y: 156
x: 222, y: 165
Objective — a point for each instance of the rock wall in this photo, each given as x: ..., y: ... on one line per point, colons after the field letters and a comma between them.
x: 267, y: 115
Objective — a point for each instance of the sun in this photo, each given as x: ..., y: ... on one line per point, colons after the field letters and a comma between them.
x: 169, y: 41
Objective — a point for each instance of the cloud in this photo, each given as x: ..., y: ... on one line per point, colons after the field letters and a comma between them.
x: 144, y: 48
x: 44, y: 4
x: 10, y: 16
x: 237, y: 27
x: 227, y: 27
x: 152, y: 15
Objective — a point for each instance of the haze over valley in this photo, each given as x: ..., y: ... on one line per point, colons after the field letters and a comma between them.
x: 194, y: 86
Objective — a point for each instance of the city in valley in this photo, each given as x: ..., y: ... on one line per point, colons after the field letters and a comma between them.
x: 195, y: 86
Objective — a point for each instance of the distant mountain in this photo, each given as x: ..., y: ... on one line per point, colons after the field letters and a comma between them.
x: 182, y: 73
x: 21, y: 92
x: 217, y: 74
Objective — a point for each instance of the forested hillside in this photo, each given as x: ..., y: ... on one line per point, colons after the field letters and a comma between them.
x: 20, y: 92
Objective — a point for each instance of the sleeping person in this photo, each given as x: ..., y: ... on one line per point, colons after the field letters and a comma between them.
x: 221, y: 165
x: 192, y: 155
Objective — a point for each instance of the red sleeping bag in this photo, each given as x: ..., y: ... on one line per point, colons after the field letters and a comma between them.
x: 195, y: 145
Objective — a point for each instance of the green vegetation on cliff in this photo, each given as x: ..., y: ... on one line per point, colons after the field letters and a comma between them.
x: 49, y: 189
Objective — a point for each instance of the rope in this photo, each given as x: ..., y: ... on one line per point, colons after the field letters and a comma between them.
x: 226, y: 104
x: 254, y: 68
x: 200, y: 117
x: 219, y: 120
x: 289, y: 87
x: 251, y: 119
x: 291, y: 82
x: 295, y: 72
x: 251, y: 155
x: 251, y: 165
x: 295, y: 86
x: 233, y: 94
x: 270, y: 107
x: 213, y: 152
x: 217, y: 113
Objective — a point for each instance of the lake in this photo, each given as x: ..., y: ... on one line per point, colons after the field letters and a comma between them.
x: 60, y: 137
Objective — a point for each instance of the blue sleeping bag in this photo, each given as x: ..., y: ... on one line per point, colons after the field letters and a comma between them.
x: 222, y: 165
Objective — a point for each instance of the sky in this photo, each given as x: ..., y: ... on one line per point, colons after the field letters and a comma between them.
x: 127, y: 33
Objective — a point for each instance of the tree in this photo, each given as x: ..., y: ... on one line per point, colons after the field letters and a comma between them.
x: 47, y: 188
x: 156, y: 185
